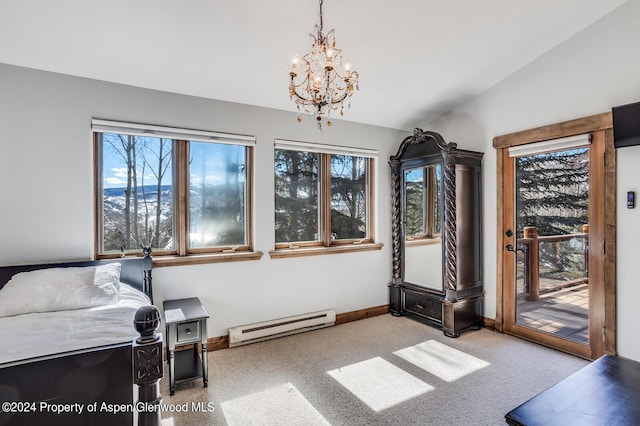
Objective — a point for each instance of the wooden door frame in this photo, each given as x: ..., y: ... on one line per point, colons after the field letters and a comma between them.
x: 592, y: 124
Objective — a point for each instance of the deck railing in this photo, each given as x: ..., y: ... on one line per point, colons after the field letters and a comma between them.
x: 530, y: 245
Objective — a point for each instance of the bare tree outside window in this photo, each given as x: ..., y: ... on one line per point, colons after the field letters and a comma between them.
x: 136, y: 192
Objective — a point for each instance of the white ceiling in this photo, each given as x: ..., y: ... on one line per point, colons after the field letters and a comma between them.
x: 417, y: 59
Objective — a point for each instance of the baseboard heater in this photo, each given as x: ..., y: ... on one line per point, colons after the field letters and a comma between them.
x: 250, y: 333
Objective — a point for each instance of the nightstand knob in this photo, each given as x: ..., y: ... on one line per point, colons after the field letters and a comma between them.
x: 188, y: 331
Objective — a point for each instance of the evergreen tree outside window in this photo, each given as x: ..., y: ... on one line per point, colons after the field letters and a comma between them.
x: 187, y: 193
x: 297, y: 187
x: 552, y: 195
x: 348, y: 197
x: 323, y: 195
x: 552, y: 191
x: 552, y: 201
x: 414, y: 202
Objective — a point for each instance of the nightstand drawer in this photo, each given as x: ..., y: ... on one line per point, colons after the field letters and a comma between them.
x: 188, y: 332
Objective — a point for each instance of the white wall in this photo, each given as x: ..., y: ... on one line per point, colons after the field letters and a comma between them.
x: 593, y: 71
x: 628, y: 270
x: 46, y: 194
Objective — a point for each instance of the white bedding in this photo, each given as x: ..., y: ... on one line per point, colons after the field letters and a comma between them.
x: 46, y: 333
x: 60, y: 289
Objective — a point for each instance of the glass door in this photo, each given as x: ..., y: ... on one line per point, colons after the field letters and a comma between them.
x: 553, y: 217
x: 552, y: 243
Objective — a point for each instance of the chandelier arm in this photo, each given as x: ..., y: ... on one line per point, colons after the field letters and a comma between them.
x: 303, y: 100
x: 342, y: 97
x: 352, y: 77
x: 310, y: 103
x: 294, y: 85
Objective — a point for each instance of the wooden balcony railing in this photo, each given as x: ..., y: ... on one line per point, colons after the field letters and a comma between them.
x: 530, y: 244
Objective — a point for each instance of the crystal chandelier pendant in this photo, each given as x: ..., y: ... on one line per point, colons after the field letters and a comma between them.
x: 319, y: 82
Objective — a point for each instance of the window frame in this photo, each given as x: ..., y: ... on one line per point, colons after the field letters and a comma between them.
x: 325, y: 244
x: 183, y: 168
x: 182, y: 253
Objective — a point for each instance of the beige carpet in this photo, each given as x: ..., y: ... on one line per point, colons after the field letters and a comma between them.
x: 378, y: 371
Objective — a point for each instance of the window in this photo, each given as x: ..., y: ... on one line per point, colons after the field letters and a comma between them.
x: 183, y: 192
x: 422, y: 209
x: 323, y: 195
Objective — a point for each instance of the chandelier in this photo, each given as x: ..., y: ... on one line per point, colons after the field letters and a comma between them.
x: 322, y: 87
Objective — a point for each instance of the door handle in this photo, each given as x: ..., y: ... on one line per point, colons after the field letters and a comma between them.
x: 509, y: 247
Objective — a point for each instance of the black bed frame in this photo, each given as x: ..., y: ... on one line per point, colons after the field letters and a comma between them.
x: 102, y: 375
x: 135, y: 271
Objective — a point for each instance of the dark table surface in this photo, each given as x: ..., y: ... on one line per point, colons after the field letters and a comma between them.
x: 191, y: 308
x: 605, y: 392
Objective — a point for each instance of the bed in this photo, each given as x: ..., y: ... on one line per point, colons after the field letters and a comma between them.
x: 66, y: 333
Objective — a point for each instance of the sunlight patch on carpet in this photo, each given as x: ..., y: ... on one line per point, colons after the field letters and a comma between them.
x: 280, y: 405
x: 441, y: 360
x: 379, y: 384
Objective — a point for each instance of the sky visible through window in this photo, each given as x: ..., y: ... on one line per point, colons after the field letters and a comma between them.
x: 208, y: 156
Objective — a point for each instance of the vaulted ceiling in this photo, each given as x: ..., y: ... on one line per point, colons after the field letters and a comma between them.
x: 417, y: 59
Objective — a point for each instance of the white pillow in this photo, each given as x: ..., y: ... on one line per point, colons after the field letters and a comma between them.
x: 108, y: 276
x: 59, y: 289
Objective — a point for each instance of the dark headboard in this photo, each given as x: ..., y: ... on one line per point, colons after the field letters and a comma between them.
x: 135, y: 271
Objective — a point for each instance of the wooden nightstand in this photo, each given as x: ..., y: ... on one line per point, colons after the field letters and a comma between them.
x: 186, y: 324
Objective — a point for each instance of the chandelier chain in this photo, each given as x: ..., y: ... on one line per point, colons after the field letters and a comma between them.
x: 321, y: 2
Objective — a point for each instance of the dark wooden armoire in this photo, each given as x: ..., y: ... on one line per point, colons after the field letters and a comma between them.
x: 452, y: 299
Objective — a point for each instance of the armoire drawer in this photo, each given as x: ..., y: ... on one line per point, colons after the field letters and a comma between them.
x: 423, y: 305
